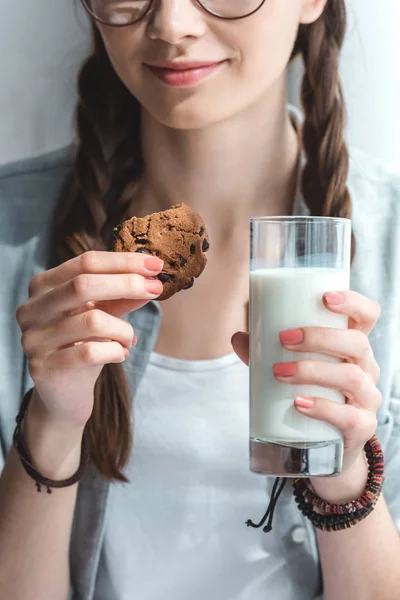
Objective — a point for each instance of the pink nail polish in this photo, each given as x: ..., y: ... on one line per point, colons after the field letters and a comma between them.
x: 152, y: 263
x: 284, y: 369
x: 291, y: 337
x: 154, y: 286
x: 303, y: 402
x: 334, y: 298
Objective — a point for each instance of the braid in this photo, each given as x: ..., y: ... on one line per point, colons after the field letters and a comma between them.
x: 324, y: 179
x: 95, y: 198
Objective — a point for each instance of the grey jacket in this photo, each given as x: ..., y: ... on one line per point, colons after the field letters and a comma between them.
x: 28, y: 191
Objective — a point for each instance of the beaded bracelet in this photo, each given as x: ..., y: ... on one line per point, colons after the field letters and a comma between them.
x: 344, y: 516
x: 337, y: 516
x: 26, y: 459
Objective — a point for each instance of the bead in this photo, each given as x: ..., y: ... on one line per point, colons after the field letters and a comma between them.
x: 344, y: 516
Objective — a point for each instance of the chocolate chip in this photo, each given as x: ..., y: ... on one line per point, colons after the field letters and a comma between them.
x: 183, y: 261
x: 143, y: 251
x: 172, y: 264
x: 205, y: 245
x: 193, y: 249
x: 201, y: 231
x: 116, y: 231
x: 164, y: 277
x: 189, y: 285
x: 141, y: 241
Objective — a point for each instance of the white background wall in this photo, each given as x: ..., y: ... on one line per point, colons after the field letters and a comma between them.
x: 43, y: 41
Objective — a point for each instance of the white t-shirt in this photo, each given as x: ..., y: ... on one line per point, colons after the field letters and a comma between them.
x: 177, y: 530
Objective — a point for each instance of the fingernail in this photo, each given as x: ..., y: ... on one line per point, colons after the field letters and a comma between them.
x: 135, y: 340
x: 154, y: 286
x: 291, y: 337
x: 126, y: 352
x: 303, y: 402
x: 284, y: 369
x: 152, y: 263
x: 334, y: 298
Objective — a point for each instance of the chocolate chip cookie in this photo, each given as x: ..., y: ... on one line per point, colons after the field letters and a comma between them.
x: 178, y: 236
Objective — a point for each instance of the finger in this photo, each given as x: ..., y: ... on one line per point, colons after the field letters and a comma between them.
x: 348, y: 344
x: 240, y: 343
x: 347, y: 378
x: 115, y: 308
x: 120, y: 308
x: 42, y: 309
x: 94, y: 325
x: 95, y: 263
x: 357, y: 425
x: 82, y: 356
x: 363, y: 312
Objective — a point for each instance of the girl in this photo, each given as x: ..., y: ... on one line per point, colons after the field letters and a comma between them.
x: 185, y: 100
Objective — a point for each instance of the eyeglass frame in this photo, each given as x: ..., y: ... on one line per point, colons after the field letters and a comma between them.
x: 151, y: 3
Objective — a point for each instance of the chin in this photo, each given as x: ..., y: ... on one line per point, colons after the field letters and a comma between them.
x: 191, y: 113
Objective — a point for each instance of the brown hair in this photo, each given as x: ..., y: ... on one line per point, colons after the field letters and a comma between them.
x: 107, y: 161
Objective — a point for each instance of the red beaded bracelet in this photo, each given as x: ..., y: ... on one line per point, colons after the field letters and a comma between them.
x: 343, y: 516
x: 337, y: 516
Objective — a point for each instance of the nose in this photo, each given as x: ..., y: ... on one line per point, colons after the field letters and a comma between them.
x: 174, y: 20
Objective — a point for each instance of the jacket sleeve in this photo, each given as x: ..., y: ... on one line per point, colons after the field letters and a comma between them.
x: 389, y: 436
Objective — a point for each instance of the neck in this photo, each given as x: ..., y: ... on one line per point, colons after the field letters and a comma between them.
x: 242, y: 167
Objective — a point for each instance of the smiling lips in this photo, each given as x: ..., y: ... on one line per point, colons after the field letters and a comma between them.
x: 180, y: 74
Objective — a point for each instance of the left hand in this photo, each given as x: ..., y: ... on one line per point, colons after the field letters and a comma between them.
x: 356, y: 377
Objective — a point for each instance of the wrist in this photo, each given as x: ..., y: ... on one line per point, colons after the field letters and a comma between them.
x: 55, y: 446
x: 347, y: 486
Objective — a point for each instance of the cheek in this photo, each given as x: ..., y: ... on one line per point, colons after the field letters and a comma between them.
x: 265, y: 46
x: 123, y: 49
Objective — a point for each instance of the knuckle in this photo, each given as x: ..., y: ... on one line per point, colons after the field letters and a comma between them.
x: 355, y: 419
x: 132, y: 284
x: 34, y: 285
x: 363, y: 344
x: 377, y: 310
x: 130, y: 332
x: 80, y: 285
x: 26, y: 343
x: 88, y: 261
x: 356, y: 376
x: 379, y: 398
x: 35, y: 369
x: 322, y: 336
x: 20, y: 315
x: 377, y: 372
x: 308, y: 370
x: 87, y: 353
x: 94, y: 321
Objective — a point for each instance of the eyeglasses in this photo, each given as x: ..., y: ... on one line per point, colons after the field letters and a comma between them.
x: 119, y: 13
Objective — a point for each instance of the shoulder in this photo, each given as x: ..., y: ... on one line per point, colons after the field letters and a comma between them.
x: 375, y: 191
x: 33, y: 182
x: 44, y: 163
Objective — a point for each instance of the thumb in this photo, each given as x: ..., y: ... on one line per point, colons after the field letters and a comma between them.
x: 240, y: 344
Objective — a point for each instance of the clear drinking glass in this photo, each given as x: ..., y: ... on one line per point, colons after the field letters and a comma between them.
x: 293, y: 262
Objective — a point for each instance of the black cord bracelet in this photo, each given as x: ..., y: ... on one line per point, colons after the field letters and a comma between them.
x: 26, y: 459
x: 337, y: 516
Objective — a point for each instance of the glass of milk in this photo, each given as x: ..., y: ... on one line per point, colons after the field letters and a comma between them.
x: 293, y: 262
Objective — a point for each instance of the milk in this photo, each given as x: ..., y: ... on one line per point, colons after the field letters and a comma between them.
x: 286, y: 298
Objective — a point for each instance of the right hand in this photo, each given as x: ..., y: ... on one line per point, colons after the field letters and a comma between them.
x: 82, y: 302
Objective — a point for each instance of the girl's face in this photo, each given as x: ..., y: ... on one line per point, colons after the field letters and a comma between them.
x: 248, y: 57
